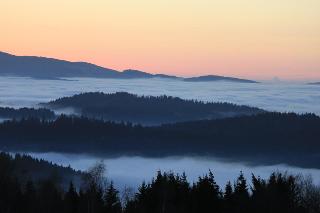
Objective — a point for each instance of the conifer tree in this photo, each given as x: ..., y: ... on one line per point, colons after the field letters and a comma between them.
x: 112, y: 202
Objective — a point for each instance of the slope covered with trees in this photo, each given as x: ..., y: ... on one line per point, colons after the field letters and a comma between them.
x: 25, y: 168
x: 122, y: 106
x: 11, y: 113
x: 263, y: 138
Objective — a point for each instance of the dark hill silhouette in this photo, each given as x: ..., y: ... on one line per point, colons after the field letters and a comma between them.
x: 314, y: 83
x: 50, y: 68
x: 129, y: 73
x: 27, y: 168
x: 136, y: 73
x: 218, y: 78
x: 41, y: 67
x: 267, y: 138
x: 148, y: 110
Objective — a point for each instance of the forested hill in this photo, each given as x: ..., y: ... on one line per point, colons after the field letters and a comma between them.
x: 11, y: 113
x: 149, y: 110
x: 261, y: 139
x: 27, y: 168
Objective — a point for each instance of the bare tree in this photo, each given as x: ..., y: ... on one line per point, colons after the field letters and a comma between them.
x: 95, y: 175
x: 127, y: 195
x: 309, y: 194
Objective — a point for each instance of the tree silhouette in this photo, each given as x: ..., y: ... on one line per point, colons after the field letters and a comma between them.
x: 241, y: 194
x: 112, y: 202
x: 206, y: 195
x: 71, y: 200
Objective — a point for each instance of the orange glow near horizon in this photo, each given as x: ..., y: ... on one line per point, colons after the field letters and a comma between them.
x: 254, y: 39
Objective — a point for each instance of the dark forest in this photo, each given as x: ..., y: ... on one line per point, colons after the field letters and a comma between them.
x: 263, y: 138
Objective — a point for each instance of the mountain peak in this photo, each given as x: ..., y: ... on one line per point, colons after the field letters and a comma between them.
x: 5, y: 54
x: 133, y: 71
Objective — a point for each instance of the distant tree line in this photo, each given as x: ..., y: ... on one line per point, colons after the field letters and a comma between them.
x: 12, y: 113
x: 122, y: 106
x: 262, y: 138
x: 166, y: 193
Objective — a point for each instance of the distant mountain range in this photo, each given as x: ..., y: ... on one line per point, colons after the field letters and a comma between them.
x: 50, y: 68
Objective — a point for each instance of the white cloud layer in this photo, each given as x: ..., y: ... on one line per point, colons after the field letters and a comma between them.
x: 280, y: 96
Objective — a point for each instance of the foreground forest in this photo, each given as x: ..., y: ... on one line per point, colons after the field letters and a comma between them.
x: 262, y: 139
x: 166, y: 193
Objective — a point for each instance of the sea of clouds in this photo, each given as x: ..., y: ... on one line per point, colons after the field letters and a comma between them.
x: 132, y: 171
x: 285, y: 97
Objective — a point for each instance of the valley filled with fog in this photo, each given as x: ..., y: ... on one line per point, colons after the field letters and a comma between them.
x: 280, y: 96
x: 132, y: 171
x: 283, y: 97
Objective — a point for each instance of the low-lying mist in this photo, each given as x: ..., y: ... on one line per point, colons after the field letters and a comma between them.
x: 284, y: 97
x: 131, y: 171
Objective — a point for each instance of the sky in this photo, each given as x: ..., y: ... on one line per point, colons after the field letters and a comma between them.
x: 256, y: 39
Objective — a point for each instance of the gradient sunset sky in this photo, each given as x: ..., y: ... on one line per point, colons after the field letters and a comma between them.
x: 257, y: 39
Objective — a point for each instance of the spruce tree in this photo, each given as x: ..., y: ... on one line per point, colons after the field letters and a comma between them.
x: 112, y: 202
